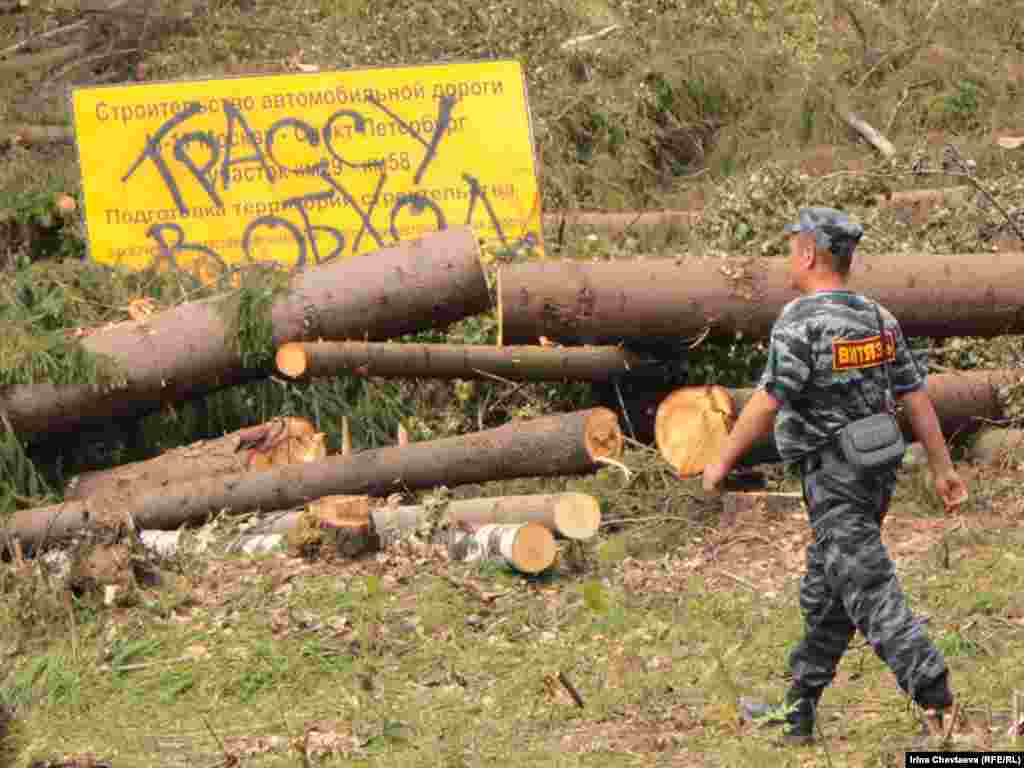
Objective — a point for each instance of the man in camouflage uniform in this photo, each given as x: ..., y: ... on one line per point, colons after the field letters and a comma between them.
x: 824, y: 370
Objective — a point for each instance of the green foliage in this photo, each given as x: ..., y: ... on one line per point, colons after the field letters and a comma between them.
x: 35, y: 223
x: 248, y: 314
x: 36, y: 344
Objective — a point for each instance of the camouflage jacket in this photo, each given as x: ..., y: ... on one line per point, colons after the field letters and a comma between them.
x: 825, y: 366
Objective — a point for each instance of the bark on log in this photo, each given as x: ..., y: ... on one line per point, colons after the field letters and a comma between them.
x: 660, y: 297
x: 615, y: 222
x: 869, y: 134
x: 307, y: 360
x: 527, y: 547
x: 280, y: 441
x: 186, y: 351
x: 560, y: 444
x: 963, y: 402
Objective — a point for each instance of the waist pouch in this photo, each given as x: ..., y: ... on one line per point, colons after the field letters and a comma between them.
x: 872, y: 443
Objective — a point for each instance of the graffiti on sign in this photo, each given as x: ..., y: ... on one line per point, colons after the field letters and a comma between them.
x: 303, y: 169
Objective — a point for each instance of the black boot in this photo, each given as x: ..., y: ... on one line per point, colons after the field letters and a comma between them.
x: 935, y: 698
x: 797, y: 714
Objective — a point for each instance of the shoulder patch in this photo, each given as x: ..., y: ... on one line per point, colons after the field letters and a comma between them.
x: 863, y: 353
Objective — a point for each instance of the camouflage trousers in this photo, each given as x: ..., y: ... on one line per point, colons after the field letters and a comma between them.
x: 851, y: 583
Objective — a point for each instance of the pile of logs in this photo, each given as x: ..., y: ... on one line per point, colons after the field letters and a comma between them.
x: 336, y: 320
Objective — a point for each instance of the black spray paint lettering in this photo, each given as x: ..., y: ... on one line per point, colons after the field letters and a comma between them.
x: 311, y: 229
x: 419, y: 204
x: 169, y: 250
x: 359, y: 126
x: 171, y: 238
x: 272, y: 222
x: 152, y: 152
x: 444, y: 117
x: 203, y: 174
x: 364, y: 216
x: 235, y: 116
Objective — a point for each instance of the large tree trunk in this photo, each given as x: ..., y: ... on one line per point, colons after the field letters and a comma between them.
x: 617, y: 222
x: 963, y: 402
x: 306, y: 360
x: 189, y: 351
x: 281, y: 441
x: 560, y: 444
x: 664, y: 297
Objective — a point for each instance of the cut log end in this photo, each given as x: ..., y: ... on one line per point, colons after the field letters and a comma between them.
x: 691, y: 426
x: 603, y: 435
x: 533, y: 549
x: 577, y: 515
x: 291, y: 360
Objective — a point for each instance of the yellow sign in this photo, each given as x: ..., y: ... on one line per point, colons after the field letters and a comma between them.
x: 303, y: 169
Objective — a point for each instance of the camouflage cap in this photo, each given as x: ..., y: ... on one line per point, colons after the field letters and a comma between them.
x: 833, y: 230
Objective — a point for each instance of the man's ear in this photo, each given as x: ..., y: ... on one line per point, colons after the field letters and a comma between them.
x: 808, y: 251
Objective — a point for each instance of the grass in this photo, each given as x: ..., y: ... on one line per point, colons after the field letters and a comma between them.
x: 413, y: 670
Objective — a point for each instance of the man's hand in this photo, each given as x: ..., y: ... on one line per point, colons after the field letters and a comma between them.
x: 714, y: 476
x: 950, y: 487
x: 756, y: 420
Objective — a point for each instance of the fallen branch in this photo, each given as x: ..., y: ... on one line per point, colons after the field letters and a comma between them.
x: 43, y: 36
x: 621, y: 221
x: 41, y: 61
x: 959, y: 160
x: 564, y: 680
x: 869, y: 134
x: 581, y: 39
x: 42, y: 134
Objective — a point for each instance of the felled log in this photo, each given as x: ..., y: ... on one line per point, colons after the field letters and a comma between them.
x: 526, y: 547
x: 614, y: 222
x: 994, y: 445
x: 665, y: 297
x: 42, y: 134
x: 280, y: 441
x: 307, y: 360
x: 963, y: 402
x: 567, y: 515
x: 189, y: 350
x: 339, y: 524
x: 560, y: 444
